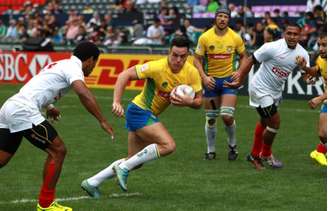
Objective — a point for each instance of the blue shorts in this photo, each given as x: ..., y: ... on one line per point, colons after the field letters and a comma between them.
x: 219, y: 89
x: 324, y: 108
x: 137, y: 117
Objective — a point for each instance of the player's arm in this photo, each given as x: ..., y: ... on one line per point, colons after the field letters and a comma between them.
x: 186, y: 100
x: 89, y: 102
x: 238, y: 77
x: 208, y: 81
x: 302, y: 63
x: 314, y: 102
x: 122, y: 80
x: 52, y: 113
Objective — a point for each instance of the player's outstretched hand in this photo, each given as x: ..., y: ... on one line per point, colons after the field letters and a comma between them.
x: 209, y: 82
x: 107, y: 128
x: 53, y: 114
x: 314, y: 102
x: 118, y: 109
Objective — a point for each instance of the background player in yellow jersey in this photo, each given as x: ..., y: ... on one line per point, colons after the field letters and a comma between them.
x: 320, y: 68
x: 214, y: 59
x: 148, y: 138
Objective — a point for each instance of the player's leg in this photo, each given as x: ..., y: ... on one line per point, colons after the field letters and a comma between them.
x: 227, y: 109
x: 45, y: 137
x: 157, y: 141
x: 91, y: 184
x: 211, y: 105
x: 320, y: 153
x: 271, y: 118
x: 9, y: 143
x: 258, y: 138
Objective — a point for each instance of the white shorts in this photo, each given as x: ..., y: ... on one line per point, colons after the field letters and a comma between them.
x: 256, y: 100
x: 17, y: 117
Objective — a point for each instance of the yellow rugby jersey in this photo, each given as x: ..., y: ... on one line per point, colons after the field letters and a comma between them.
x: 160, y: 81
x: 219, y: 51
x: 322, y: 65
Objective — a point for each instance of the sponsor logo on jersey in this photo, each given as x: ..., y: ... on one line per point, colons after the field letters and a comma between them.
x: 163, y: 94
x: 220, y: 56
x: 280, y: 73
x: 165, y: 84
x: 229, y: 48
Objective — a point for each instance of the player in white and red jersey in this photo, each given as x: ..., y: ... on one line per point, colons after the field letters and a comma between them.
x: 278, y: 59
x: 20, y: 115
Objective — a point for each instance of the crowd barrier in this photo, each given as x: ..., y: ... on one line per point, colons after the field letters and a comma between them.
x: 19, y: 67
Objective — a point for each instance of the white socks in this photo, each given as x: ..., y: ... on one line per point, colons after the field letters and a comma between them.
x: 104, y: 174
x: 210, y: 137
x: 231, y: 131
x: 147, y: 154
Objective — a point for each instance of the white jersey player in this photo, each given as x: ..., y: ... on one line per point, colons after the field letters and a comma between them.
x: 20, y: 116
x: 278, y: 60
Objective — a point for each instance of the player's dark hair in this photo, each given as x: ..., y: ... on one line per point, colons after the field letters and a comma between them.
x: 293, y: 24
x: 180, y: 41
x: 85, y: 50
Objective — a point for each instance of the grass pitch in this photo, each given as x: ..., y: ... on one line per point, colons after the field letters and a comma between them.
x: 183, y: 180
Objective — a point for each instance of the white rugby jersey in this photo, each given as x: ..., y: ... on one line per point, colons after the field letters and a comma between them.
x: 277, y: 62
x: 50, y: 84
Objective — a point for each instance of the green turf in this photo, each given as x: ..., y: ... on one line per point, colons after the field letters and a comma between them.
x: 183, y: 180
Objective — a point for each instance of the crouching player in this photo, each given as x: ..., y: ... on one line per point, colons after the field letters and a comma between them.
x: 148, y: 139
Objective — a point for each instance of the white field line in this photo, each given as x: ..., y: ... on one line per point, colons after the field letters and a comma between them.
x: 76, y: 198
x: 282, y: 108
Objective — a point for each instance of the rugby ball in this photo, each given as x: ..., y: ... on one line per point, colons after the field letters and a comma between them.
x: 183, y: 90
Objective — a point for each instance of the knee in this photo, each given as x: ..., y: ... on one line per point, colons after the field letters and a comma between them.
x: 167, y: 148
x: 60, y: 151
x: 211, y: 116
x: 228, y: 120
x: 227, y: 113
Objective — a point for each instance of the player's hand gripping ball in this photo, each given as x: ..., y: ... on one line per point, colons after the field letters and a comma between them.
x: 182, y: 90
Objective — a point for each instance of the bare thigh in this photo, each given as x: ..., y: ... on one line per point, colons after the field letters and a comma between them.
x: 157, y: 134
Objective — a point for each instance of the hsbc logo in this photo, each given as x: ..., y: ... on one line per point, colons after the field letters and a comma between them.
x: 18, y: 67
x: 38, y: 62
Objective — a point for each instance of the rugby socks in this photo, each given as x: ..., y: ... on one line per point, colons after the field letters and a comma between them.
x: 104, y: 174
x: 210, y: 132
x: 322, y: 148
x: 148, y: 153
x: 231, y: 131
x: 47, y: 195
x: 266, y: 150
x: 258, y: 139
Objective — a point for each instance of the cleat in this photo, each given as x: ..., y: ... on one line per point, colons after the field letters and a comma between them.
x: 54, y: 206
x: 122, y: 177
x: 255, y: 161
x: 210, y: 156
x: 91, y: 190
x: 319, y: 157
x: 233, y: 153
x: 272, y: 162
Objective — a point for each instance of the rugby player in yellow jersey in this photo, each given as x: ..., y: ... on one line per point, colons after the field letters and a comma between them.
x: 320, y: 68
x: 148, y: 138
x: 214, y: 59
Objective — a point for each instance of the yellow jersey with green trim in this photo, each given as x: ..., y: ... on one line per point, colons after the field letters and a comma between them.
x: 321, y: 63
x: 160, y: 81
x: 219, y: 51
